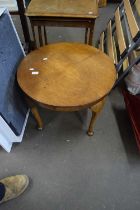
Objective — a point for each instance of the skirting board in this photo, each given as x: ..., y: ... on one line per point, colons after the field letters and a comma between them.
x: 7, y: 137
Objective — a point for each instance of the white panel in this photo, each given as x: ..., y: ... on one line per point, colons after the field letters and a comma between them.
x: 5, y: 143
x: 11, y: 5
x: 7, y: 137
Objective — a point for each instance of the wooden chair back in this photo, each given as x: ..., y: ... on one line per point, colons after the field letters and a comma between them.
x: 39, y: 35
x: 121, y: 38
x: 136, y: 4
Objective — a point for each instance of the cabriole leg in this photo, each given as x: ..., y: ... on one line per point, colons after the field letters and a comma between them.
x: 91, y: 125
x: 96, y: 109
x: 35, y: 113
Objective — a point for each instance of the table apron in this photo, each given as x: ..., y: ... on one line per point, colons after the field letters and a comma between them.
x: 62, y: 22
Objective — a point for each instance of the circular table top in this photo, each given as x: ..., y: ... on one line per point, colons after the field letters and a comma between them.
x: 66, y: 76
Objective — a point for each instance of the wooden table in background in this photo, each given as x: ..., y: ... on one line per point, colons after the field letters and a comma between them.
x: 67, y: 13
x: 65, y: 77
x: 102, y: 3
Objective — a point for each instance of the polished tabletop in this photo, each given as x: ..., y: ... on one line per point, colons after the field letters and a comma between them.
x: 66, y: 76
x: 63, y: 8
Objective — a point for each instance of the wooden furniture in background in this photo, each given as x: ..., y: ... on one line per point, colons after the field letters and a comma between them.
x: 119, y: 41
x: 102, y: 3
x: 66, y: 77
x: 67, y: 13
x: 136, y: 6
x: 113, y: 41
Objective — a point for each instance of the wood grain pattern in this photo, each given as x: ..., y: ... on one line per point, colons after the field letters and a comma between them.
x: 115, y: 50
x: 72, y: 77
x: 110, y: 50
x: 63, y: 8
x: 102, y: 3
x: 119, y: 32
x: 64, y: 13
x: 125, y: 64
x: 133, y: 26
x: 137, y: 5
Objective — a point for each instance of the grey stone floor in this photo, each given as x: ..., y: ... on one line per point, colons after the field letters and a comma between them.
x: 69, y: 170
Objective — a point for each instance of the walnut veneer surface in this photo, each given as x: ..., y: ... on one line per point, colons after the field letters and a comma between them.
x: 70, y: 76
x: 63, y: 8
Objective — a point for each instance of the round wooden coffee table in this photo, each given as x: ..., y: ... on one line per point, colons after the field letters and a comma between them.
x: 66, y: 77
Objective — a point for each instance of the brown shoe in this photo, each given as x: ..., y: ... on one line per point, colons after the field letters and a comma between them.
x: 14, y: 186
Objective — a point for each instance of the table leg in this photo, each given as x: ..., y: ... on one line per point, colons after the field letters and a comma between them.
x: 96, y: 109
x: 40, y: 36
x: 91, y: 125
x: 91, y: 34
x: 35, y: 113
x: 33, y: 31
x: 45, y: 35
x: 86, y: 36
x: 37, y: 117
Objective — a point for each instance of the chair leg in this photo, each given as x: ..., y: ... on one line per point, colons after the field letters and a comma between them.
x: 96, y: 109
